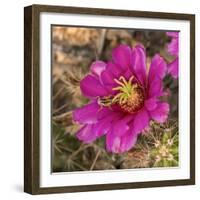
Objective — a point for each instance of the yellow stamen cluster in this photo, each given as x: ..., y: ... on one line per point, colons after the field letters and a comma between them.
x: 130, y: 96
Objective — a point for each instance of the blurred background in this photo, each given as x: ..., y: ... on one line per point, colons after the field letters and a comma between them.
x: 73, y: 51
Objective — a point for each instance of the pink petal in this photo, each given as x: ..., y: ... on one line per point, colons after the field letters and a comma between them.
x: 127, y: 75
x: 109, y: 75
x: 120, y: 137
x: 172, y: 47
x: 155, y: 88
x: 86, y: 114
x: 173, y: 68
x: 122, y: 55
x: 160, y: 114
x: 91, y: 87
x: 157, y: 69
x: 97, y: 67
x: 104, y: 112
x: 151, y: 104
x: 105, y: 121
x: 101, y: 128
x: 138, y: 66
x: 115, y: 69
x: 112, y: 143
x: 128, y: 141
x: 85, y: 134
x: 107, y: 112
x: 107, y: 78
x: 172, y: 34
x: 119, y: 127
x: 120, y: 144
x: 141, y: 121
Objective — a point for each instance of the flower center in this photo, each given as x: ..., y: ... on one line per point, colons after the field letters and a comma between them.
x: 130, y: 96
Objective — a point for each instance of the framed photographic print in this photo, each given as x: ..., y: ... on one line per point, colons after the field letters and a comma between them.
x: 109, y: 99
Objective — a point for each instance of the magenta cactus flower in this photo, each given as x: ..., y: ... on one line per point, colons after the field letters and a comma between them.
x: 124, y: 96
x: 173, y: 48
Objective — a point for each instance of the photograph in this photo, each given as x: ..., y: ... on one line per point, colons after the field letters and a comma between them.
x: 114, y: 98
x: 109, y: 99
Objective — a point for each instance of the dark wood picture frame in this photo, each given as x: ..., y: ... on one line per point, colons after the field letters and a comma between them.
x: 32, y: 105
